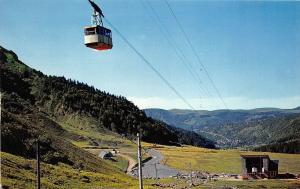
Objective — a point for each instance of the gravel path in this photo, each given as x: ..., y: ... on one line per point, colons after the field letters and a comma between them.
x: 162, y: 171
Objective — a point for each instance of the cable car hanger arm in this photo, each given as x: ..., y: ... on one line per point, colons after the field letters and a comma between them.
x: 96, y: 8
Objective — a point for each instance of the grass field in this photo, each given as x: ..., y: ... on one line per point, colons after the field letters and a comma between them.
x: 105, y: 139
x: 18, y: 172
x: 118, y: 161
x: 257, y: 184
x: 220, y: 161
x: 239, y: 184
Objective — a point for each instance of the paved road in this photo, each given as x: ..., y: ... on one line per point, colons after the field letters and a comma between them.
x: 162, y: 171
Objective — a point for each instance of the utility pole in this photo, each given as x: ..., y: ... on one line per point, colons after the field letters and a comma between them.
x: 38, y: 173
x: 155, y: 171
x: 140, y: 161
x: 191, y: 174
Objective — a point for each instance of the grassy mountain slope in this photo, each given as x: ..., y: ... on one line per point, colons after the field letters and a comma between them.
x: 287, y: 136
x: 19, y: 172
x: 235, y: 128
x: 65, y: 115
x: 64, y: 99
x: 63, y: 164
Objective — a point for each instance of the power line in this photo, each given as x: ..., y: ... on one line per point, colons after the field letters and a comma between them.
x: 195, y: 52
x: 167, y: 35
x: 150, y: 65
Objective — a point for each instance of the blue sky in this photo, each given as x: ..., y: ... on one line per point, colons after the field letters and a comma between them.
x: 250, y: 49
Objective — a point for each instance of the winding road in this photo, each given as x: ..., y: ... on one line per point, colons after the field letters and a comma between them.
x: 154, y: 168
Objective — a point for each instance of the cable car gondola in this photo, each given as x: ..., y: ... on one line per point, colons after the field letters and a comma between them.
x: 97, y: 36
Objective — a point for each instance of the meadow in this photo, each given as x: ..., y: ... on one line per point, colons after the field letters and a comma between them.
x: 220, y: 161
x: 226, y: 184
x: 97, y: 139
x: 267, y: 184
x: 18, y: 172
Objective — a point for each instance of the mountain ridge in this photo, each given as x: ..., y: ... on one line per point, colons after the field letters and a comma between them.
x: 63, y: 99
x: 233, y: 128
x: 238, y: 109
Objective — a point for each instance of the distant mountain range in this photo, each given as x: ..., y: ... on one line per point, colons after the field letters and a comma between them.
x: 236, y: 128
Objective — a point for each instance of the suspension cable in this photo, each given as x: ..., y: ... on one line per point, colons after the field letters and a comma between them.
x: 167, y: 35
x: 195, y: 52
x: 150, y: 65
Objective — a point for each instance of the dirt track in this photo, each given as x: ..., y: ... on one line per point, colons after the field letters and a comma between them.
x: 131, y: 162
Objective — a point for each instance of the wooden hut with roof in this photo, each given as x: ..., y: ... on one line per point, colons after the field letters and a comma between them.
x: 259, y: 166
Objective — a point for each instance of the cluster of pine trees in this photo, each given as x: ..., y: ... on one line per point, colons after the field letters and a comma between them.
x: 285, y: 145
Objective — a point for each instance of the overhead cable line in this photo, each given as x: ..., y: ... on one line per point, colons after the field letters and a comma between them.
x: 150, y: 65
x: 167, y: 35
x: 195, y: 52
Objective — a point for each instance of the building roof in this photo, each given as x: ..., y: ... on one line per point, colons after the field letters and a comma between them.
x: 104, y: 153
x: 255, y: 156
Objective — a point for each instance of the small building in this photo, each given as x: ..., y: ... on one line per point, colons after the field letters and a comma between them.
x: 114, y: 152
x: 259, y: 166
x: 105, y: 155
